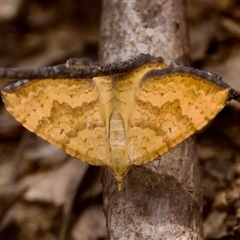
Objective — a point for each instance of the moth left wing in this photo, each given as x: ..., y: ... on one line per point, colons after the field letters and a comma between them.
x: 69, y: 113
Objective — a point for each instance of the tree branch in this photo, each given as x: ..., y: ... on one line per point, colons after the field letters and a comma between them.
x: 160, y: 200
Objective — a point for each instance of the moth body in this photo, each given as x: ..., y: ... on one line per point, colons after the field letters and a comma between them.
x: 119, y: 120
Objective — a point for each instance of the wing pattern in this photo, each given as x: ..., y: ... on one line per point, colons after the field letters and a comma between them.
x: 169, y: 108
x: 119, y: 120
x: 65, y: 113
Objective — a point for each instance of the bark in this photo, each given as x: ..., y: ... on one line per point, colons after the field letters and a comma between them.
x: 162, y: 199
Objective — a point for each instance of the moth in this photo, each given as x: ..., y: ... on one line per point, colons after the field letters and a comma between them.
x: 116, y: 115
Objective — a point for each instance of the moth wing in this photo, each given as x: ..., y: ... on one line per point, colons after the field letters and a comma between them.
x: 125, y: 85
x: 68, y: 113
x: 170, y: 105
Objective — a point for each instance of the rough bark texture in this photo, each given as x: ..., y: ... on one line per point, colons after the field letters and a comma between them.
x: 161, y: 200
